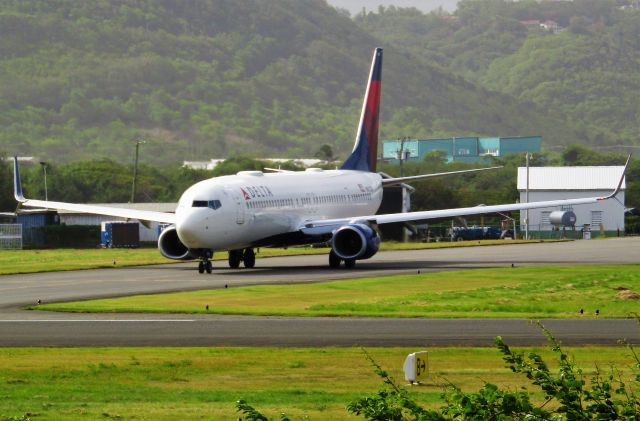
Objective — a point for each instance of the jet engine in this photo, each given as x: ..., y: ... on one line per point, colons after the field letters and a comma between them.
x: 355, y: 242
x: 170, y: 245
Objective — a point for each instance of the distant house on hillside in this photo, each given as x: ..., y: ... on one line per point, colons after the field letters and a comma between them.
x: 537, y: 25
x: 633, y: 5
x: 550, y: 25
x: 531, y: 25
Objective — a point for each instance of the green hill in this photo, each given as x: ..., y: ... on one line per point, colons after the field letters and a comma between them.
x: 211, y: 78
x: 586, y: 73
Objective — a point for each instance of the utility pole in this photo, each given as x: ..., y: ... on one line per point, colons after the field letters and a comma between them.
x: 401, y: 154
x: 135, y: 171
x: 526, y: 211
x: 44, y: 168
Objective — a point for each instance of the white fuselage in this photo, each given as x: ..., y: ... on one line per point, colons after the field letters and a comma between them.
x: 233, y: 212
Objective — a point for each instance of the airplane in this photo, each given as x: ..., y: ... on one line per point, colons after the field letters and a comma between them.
x: 237, y: 213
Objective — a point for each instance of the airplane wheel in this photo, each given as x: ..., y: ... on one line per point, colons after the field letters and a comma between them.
x: 201, y: 267
x: 350, y: 263
x: 235, y: 257
x: 334, y: 260
x: 208, y: 266
x: 249, y: 258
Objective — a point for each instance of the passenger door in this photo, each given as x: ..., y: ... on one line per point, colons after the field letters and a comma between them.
x: 237, y: 198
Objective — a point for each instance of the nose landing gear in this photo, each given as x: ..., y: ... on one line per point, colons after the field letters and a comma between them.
x: 205, y: 263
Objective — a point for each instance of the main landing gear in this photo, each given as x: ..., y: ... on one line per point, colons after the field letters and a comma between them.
x: 248, y: 256
x: 205, y: 263
x: 335, y: 260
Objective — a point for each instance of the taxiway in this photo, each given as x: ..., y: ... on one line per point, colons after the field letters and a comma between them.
x: 19, y: 327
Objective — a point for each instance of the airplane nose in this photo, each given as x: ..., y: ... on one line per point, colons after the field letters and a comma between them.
x: 190, y: 232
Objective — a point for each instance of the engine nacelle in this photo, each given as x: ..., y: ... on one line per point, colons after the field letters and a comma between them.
x: 170, y: 245
x: 355, y: 241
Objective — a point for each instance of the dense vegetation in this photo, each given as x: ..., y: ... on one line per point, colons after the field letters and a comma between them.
x: 586, y: 72
x: 102, y: 181
x: 81, y: 80
x: 567, y: 394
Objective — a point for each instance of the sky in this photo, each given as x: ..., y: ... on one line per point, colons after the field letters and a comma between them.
x: 355, y: 6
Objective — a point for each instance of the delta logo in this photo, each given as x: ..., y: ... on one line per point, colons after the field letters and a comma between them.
x: 252, y: 192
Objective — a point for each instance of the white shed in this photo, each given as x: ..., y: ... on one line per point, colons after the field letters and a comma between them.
x: 554, y: 183
x: 146, y: 234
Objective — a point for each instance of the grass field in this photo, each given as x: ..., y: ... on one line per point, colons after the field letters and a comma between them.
x: 522, y: 292
x: 204, y: 383
x: 30, y: 261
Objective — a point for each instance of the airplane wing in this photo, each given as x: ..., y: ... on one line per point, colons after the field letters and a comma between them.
x: 399, y: 180
x: 327, y: 226
x: 162, y: 217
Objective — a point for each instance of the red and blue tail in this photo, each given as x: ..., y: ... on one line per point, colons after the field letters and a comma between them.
x: 363, y: 157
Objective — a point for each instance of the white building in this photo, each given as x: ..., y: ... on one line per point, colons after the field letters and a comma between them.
x: 555, y: 183
x: 212, y: 163
x: 147, y: 234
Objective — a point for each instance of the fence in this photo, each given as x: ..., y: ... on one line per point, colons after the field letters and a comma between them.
x: 442, y: 232
x: 10, y: 236
x: 542, y: 232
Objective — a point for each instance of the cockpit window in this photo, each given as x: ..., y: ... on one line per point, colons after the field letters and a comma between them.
x: 212, y: 204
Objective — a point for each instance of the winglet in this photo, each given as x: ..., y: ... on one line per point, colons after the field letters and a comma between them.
x: 617, y: 190
x: 17, y: 185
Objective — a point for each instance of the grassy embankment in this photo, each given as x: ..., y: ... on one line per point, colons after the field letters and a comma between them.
x: 30, y: 261
x: 204, y: 383
x: 522, y: 292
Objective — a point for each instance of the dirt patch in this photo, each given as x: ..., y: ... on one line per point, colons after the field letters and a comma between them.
x: 503, y: 301
x: 620, y: 288
x: 567, y: 286
x: 627, y: 295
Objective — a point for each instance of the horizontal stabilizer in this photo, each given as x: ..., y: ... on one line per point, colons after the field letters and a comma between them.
x: 400, y: 180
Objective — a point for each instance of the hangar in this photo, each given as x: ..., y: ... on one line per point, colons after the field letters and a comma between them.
x: 553, y: 183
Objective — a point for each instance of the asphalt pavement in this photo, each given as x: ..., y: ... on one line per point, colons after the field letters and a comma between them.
x: 19, y: 327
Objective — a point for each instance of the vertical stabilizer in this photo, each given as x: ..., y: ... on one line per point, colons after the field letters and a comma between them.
x: 364, y: 154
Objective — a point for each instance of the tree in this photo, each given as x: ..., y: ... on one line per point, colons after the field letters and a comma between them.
x: 437, y: 157
x: 606, y: 397
x: 325, y: 153
x: 578, y: 155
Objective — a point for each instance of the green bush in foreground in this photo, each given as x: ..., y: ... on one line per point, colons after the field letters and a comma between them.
x: 566, y: 393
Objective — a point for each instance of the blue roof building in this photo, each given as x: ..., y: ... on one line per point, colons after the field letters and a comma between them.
x: 461, y: 149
